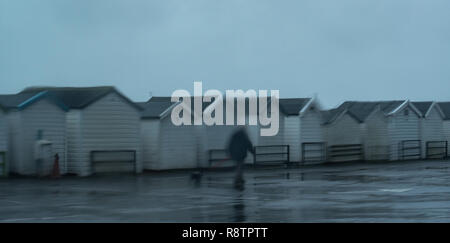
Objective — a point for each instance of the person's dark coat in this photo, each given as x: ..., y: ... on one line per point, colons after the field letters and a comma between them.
x: 238, y: 145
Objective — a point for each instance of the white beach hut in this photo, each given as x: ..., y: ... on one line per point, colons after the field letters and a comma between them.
x: 31, y: 116
x: 388, y: 129
x: 434, y: 143
x: 373, y: 133
x: 404, y: 132
x: 301, y: 126
x: 343, y: 134
x: 103, y: 129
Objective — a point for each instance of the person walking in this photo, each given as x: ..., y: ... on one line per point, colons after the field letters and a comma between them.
x: 238, y: 146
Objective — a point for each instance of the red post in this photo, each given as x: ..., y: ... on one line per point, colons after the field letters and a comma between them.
x: 56, y: 173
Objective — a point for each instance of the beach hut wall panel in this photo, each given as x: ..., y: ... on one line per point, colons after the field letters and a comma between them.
x: 15, y: 146
x: 3, y: 143
x: 278, y: 139
x: 446, y: 128
x: 291, y: 129
x: 344, y: 131
x: 153, y: 112
x: 109, y: 124
x: 269, y: 149
x: 178, y: 146
x: 431, y: 129
x: 402, y: 126
x: 3, y: 132
x: 150, y: 131
x: 112, y: 124
x: 75, y: 163
x: 376, y: 140
x: 42, y: 116
x: 302, y: 124
x: 445, y: 108
x: 311, y: 131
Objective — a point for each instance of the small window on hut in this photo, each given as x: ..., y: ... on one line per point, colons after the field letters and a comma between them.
x: 406, y: 112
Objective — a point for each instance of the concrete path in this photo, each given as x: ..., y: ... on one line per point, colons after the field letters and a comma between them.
x: 385, y: 192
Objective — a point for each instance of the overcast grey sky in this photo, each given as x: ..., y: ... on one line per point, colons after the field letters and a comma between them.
x: 338, y: 49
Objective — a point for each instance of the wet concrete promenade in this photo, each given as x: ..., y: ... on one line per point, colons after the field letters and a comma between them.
x: 415, y: 191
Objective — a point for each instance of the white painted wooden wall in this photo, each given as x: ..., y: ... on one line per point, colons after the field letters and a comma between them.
x: 108, y: 124
x: 277, y: 139
x: 376, y: 137
x: 402, y: 127
x: 311, y: 131
x: 344, y: 131
x: 24, y: 126
x: 291, y: 127
x: 15, y: 146
x: 178, y: 146
x: 75, y: 165
x: 3, y: 132
x: 3, y: 141
x: 431, y: 129
x: 446, y: 128
x: 150, y: 130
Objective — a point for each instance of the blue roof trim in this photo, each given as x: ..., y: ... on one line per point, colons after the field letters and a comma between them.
x: 39, y: 96
x: 31, y: 100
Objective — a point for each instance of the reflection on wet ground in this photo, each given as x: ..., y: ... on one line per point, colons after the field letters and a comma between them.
x: 369, y: 192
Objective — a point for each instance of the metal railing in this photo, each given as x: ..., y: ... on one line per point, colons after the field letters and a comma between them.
x: 313, y: 152
x: 346, y: 152
x: 112, y: 156
x: 410, y: 149
x: 271, y: 154
x: 436, y: 149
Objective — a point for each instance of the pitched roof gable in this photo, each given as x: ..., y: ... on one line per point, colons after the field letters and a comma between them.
x: 23, y: 100
x: 445, y: 107
x: 361, y: 110
x: 155, y: 107
x: 78, y: 97
x: 423, y: 107
x: 292, y: 106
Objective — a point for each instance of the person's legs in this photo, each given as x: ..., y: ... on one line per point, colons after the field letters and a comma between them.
x: 239, y: 179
